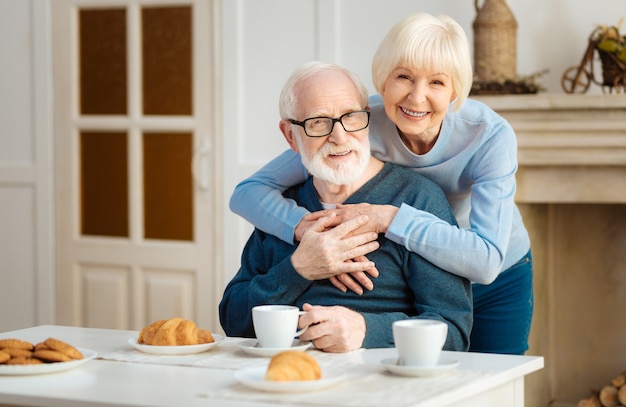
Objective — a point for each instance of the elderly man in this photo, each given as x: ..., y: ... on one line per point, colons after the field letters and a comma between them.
x: 325, y: 119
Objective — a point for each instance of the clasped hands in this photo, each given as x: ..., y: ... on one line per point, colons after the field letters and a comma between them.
x: 334, y: 244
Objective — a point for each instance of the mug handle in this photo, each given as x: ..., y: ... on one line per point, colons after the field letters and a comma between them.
x: 444, y: 336
x: 303, y: 330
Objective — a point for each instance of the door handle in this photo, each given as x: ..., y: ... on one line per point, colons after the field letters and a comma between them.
x: 200, y: 165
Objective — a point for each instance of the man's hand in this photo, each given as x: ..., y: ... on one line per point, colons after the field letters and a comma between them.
x: 355, y: 281
x: 324, y: 252
x: 333, y: 329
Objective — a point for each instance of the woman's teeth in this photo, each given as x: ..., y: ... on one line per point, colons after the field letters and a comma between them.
x: 412, y: 113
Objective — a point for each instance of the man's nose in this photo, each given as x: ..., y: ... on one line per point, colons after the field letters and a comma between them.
x: 338, y: 133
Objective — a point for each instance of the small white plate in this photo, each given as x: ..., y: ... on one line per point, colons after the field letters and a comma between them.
x: 254, y: 378
x: 442, y: 366
x: 175, y: 350
x: 14, y: 370
x: 251, y: 347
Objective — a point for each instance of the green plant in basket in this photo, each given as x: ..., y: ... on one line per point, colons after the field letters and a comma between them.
x: 610, y: 40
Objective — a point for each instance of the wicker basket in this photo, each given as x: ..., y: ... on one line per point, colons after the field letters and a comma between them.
x: 613, y: 70
x: 495, y: 42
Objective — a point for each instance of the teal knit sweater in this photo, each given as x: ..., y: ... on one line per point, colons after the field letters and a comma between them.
x: 408, y: 286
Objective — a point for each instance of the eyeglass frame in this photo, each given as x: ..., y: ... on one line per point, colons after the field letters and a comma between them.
x: 334, y: 120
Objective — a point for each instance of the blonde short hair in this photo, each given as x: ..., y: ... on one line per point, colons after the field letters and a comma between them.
x: 288, y: 98
x: 428, y: 42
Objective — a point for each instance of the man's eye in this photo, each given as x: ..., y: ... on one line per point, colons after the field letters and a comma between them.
x: 317, y: 122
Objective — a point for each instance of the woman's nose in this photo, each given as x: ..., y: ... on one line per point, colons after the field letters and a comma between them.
x: 417, y: 94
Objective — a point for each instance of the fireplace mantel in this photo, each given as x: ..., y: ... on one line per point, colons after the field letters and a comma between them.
x: 572, y: 148
x: 571, y: 187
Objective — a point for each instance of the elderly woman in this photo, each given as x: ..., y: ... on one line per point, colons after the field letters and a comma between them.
x: 423, y: 119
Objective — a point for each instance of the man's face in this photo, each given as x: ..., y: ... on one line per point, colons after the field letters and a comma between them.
x: 341, y: 157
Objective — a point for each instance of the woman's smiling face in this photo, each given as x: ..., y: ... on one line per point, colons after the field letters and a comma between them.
x: 417, y: 100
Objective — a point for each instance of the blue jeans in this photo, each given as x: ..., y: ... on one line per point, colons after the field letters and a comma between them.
x: 503, y: 311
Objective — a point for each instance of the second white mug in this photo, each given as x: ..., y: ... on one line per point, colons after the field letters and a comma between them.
x: 419, y: 341
x: 276, y: 326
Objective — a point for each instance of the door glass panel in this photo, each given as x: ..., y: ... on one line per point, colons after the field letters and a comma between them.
x: 104, y: 184
x: 168, y: 210
x: 166, y: 48
x: 102, y: 54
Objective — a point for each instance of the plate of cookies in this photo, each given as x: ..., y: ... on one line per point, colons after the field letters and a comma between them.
x: 20, y: 357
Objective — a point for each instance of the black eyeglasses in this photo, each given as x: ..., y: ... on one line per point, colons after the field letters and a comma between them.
x: 323, y: 126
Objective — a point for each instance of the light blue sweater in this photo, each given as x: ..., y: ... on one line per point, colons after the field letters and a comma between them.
x: 474, y: 161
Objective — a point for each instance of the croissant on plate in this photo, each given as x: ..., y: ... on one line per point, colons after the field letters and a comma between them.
x: 293, y: 365
x: 174, y: 332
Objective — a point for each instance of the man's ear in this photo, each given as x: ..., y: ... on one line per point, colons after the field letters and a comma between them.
x: 287, y: 129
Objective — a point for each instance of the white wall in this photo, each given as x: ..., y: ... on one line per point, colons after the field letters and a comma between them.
x: 265, y: 40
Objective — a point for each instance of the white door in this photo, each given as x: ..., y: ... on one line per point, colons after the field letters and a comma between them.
x: 135, y: 138
x: 26, y: 213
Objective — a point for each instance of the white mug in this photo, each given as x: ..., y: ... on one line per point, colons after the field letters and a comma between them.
x: 419, y: 341
x: 276, y: 325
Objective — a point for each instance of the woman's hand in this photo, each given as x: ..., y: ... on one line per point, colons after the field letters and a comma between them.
x: 380, y: 216
x: 309, y: 220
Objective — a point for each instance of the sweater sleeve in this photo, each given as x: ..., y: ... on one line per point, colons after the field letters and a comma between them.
x: 259, y: 282
x: 476, y: 252
x: 259, y: 200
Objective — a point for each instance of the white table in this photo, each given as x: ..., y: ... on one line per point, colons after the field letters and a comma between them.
x: 480, y: 380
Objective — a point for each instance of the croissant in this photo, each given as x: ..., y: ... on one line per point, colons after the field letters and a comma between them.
x: 173, y: 332
x: 293, y: 365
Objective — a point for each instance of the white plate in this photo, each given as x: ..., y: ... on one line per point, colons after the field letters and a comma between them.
x: 442, y: 366
x: 251, y: 347
x: 254, y: 378
x: 12, y: 370
x: 175, y: 350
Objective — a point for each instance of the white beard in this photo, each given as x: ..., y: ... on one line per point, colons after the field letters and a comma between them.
x: 345, y: 174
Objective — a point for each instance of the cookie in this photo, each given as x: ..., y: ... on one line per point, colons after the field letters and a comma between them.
x: 15, y: 343
x: 51, y: 356
x: 16, y: 352
x: 64, y: 348
x: 41, y: 346
x: 21, y: 360
x: 4, y: 357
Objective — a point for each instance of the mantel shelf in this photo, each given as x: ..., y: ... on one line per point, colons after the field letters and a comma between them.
x: 556, y: 101
x: 571, y: 148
